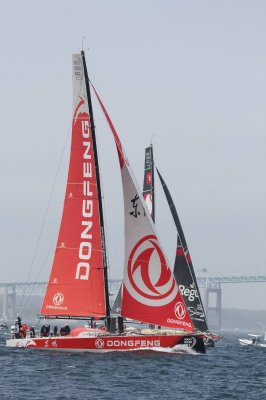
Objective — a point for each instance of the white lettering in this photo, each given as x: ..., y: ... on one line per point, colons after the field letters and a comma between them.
x: 85, y: 129
x: 87, y: 208
x: 85, y: 250
x: 85, y: 247
x: 86, y: 154
x: 84, y: 274
x: 86, y: 189
x: 177, y: 322
x: 133, y: 343
x: 85, y: 234
x: 190, y: 293
x: 87, y: 170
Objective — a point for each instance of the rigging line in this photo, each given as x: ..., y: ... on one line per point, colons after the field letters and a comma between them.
x: 103, y: 206
x: 46, y: 211
x: 115, y: 253
x: 40, y: 271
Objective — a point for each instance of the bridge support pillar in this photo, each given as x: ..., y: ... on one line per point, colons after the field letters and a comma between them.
x: 214, y: 312
x: 13, y: 302
x: 5, y: 300
x: 9, y: 302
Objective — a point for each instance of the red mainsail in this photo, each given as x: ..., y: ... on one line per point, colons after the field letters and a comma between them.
x: 76, y: 284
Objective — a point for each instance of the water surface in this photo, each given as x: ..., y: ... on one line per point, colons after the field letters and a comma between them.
x: 228, y: 371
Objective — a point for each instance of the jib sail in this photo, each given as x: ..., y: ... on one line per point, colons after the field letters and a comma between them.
x: 149, y: 292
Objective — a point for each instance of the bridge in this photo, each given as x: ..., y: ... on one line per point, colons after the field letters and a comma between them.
x: 12, y: 289
x: 212, y: 286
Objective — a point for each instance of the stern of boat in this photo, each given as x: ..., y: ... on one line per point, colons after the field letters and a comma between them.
x: 195, y: 343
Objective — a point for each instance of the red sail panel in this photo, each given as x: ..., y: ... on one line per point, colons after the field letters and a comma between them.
x: 76, y: 284
x: 150, y: 293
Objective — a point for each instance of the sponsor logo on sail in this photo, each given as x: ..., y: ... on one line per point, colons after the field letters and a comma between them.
x: 58, y: 299
x: 180, y: 310
x: 196, y: 312
x: 149, y: 279
x: 77, y: 68
x: 189, y: 292
x: 148, y: 178
x: 85, y: 246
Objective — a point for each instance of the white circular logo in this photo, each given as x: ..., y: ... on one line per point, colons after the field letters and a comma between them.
x: 149, y: 279
x: 180, y: 310
x: 99, y: 343
x: 58, y: 299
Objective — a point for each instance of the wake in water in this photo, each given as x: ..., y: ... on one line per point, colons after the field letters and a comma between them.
x: 178, y: 349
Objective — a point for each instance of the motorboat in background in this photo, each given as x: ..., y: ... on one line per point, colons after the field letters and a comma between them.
x: 253, y: 340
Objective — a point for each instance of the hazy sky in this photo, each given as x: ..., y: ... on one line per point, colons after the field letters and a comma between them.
x: 190, y: 75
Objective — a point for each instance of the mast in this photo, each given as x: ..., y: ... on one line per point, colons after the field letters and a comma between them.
x: 103, y: 242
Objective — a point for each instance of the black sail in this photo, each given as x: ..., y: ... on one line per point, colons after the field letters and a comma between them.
x: 116, y: 307
x: 184, y: 271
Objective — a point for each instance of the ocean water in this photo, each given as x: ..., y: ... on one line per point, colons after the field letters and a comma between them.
x: 228, y: 371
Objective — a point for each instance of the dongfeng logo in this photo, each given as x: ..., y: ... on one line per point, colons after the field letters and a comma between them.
x: 99, y: 343
x: 58, y: 299
x: 149, y: 279
x: 180, y: 310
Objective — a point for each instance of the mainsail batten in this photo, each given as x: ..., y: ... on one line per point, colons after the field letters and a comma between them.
x: 76, y: 285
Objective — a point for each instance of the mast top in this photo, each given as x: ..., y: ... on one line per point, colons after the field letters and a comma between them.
x: 83, y: 38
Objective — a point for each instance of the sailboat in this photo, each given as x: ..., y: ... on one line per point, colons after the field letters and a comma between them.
x: 183, y: 267
x: 78, y: 283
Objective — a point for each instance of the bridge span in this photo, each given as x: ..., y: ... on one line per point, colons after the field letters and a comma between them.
x: 210, y: 285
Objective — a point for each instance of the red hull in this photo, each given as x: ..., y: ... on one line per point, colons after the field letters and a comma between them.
x: 106, y: 343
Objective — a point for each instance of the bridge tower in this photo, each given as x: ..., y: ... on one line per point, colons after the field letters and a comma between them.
x: 9, y: 302
x: 213, y: 306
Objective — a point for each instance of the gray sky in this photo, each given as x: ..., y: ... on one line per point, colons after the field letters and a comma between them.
x: 191, y: 73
